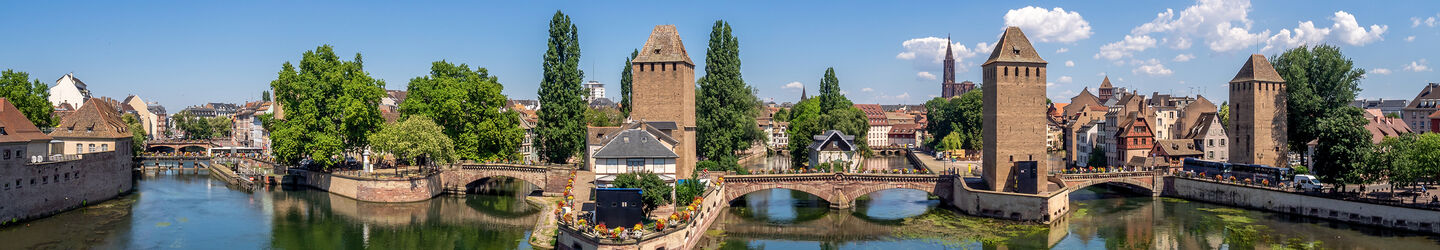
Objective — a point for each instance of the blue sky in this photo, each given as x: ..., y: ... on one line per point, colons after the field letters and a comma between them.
x: 183, y: 53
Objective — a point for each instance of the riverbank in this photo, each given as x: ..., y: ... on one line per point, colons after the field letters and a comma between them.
x: 1230, y: 194
x: 402, y: 189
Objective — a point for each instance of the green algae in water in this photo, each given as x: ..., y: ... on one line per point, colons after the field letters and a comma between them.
x: 162, y: 224
x: 1223, y: 210
x: 954, y: 229
x: 1081, y: 213
x: 1236, y: 219
x: 1173, y: 200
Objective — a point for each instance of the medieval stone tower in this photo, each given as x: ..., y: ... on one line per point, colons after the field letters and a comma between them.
x: 1015, y: 110
x: 663, y: 91
x: 1257, y: 115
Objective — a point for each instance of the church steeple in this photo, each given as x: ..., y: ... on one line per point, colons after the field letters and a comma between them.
x: 949, y: 62
x: 802, y: 93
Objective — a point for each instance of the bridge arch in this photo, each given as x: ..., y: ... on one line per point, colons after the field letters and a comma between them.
x: 824, y: 193
x: 467, y: 176
x: 194, y: 148
x: 160, y: 149
x: 1126, y: 182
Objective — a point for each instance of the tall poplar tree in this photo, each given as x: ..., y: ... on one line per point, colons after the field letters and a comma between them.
x: 831, y: 111
x: 561, y: 127
x: 626, y: 78
x: 31, y: 97
x: 331, y: 106
x: 724, y: 106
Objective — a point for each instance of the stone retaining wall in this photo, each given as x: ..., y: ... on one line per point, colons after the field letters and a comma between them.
x: 1299, y: 204
x: 1043, y: 208
x: 38, y: 190
x: 685, y: 237
x: 372, y: 190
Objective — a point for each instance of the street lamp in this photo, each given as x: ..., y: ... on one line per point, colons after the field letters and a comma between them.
x: 366, y: 157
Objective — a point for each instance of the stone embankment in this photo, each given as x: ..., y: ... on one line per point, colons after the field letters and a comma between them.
x: 404, y: 189
x: 1414, y: 219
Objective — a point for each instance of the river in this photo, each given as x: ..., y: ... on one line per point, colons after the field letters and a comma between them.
x: 188, y: 211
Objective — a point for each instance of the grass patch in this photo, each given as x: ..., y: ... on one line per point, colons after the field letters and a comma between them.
x: 954, y: 229
x: 1223, y: 210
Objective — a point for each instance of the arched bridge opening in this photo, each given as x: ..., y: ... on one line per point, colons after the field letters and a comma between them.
x: 160, y: 149
x: 501, y: 184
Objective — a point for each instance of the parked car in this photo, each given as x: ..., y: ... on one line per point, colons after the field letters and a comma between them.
x: 1308, y: 182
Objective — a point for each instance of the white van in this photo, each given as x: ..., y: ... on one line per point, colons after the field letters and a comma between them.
x: 1308, y: 182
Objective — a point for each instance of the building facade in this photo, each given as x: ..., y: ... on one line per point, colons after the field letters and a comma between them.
x: 1014, y: 113
x: 1417, y: 115
x: 594, y: 90
x: 1257, y: 115
x: 834, y: 147
x: 36, y: 180
x: 1209, y: 136
x: 636, y: 149
x: 69, y: 90
x: 878, y: 135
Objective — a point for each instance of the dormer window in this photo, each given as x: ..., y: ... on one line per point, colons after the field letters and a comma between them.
x: 3, y: 132
x: 90, y: 129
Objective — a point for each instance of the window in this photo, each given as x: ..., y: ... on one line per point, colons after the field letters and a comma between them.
x: 1222, y: 141
x: 79, y: 148
x: 7, y: 154
x: 104, y: 147
x: 634, y: 165
x: 1212, y: 142
x: 92, y: 147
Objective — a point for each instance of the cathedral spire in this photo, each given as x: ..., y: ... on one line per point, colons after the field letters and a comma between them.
x: 949, y: 62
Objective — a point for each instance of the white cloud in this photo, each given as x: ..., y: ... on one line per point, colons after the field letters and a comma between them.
x: 1410, y: 39
x: 1345, y: 30
x: 1223, y: 24
x: 1382, y: 71
x: 794, y: 85
x: 1151, y: 67
x: 922, y: 75
x: 1049, y: 84
x: 1125, y: 48
x: 928, y: 53
x: 1055, y: 25
x: 903, y: 96
x: 1184, y: 57
x: 1062, y: 50
x: 1069, y: 63
x: 1418, y: 66
x: 866, y: 90
x: 1429, y: 22
x: 1065, y: 79
x: 1349, y: 31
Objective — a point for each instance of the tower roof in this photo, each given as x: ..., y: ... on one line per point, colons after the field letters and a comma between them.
x: 1258, y: 69
x: 1106, y: 83
x: 1014, y: 47
x: 664, y: 45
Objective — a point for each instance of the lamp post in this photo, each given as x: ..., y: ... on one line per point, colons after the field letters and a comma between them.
x: 366, y: 157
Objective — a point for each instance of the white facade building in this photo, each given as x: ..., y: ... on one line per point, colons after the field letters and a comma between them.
x: 70, y: 90
x: 596, y: 90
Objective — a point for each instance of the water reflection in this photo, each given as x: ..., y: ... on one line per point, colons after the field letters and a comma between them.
x: 782, y: 162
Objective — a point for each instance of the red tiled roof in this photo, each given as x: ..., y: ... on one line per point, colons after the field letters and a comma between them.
x: 14, y: 127
x: 95, y: 119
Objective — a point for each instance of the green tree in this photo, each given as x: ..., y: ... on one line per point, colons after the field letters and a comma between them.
x: 417, y: 140
x: 1097, y: 157
x: 1404, y: 160
x: 32, y: 97
x: 686, y: 190
x: 1224, y: 114
x: 561, y: 128
x: 265, y: 96
x: 603, y: 117
x: 722, y: 164
x: 654, y: 191
x: 200, y: 128
x: 953, y: 141
x: 964, y: 115
x: 725, y: 104
x: 1318, y: 81
x: 468, y: 105
x: 782, y: 115
x: 626, y: 78
x: 330, y: 107
x: 219, y: 127
x: 1342, y: 146
x: 137, y: 133
x: 813, y: 117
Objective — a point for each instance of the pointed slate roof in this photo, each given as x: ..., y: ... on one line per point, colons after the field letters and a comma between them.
x: 841, y: 140
x: 635, y: 143
x: 1014, y: 47
x: 1106, y: 83
x: 1257, y: 68
x: 664, y: 45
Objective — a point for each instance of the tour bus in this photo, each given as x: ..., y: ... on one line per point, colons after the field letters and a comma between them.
x: 1254, y: 172
x: 1209, y: 168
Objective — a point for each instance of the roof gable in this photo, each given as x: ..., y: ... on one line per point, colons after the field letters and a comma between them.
x: 1257, y: 69
x: 1014, y: 47
x: 664, y: 45
x: 14, y: 127
x: 840, y: 140
x: 95, y: 119
x: 635, y: 143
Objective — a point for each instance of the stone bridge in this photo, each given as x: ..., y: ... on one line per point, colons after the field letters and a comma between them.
x: 839, y: 189
x: 551, y: 179
x: 166, y: 146
x: 1139, y: 181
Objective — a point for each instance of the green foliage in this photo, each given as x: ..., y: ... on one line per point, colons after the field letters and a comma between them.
x: 31, y: 97
x: 1392, y: 115
x: 627, y: 77
x: 964, y: 115
x: 724, y: 105
x: 1097, y: 157
x: 952, y: 141
x: 137, y: 133
x: 1343, y: 146
x: 561, y: 129
x: 467, y: 104
x: 655, y: 191
x: 417, y: 140
x: 603, y: 117
x: 201, y: 128
x: 1318, y: 81
x: 722, y: 164
x: 265, y: 96
x: 688, y: 189
x: 783, y: 115
x: 331, y: 105
x: 813, y: 117
x: 1224, y: 114
x: 1405, y: 160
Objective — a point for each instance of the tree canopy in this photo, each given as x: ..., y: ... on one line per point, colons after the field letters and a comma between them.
x: 32, y: 97
x: 813, y: 116
x: 416, y: 140
x: 467, y: 105
x: 1342, y: 146
x: 1320, y: 84
x: 726, y: 107
x: 201, y: 128
x: 330, y: 105
x: 627, y: 77
x: 137, y: 133
x: 964, y: 115
x: 561, y: 129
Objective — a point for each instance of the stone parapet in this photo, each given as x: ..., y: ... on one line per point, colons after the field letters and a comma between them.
x: 1414, y: 219
x: 36, y: 190
x: 372, y: 189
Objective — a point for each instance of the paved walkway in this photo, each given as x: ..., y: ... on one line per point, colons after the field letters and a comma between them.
x: 944, y: 166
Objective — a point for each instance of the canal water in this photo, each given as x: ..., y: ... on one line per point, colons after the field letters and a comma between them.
x: 172, y: 210
x: 193, y: 211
